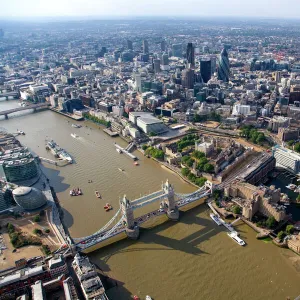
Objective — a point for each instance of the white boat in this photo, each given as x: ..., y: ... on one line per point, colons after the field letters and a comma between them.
x: 216, y: 219
x: 21, y: 132
x: 76, y: 126
x: 74, y: 135
x: 120, y: 169
x: 148, y: 298
x: 234, y: 235
x: 119, y: 150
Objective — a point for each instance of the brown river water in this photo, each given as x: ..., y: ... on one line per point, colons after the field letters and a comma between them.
x: 192, y: 259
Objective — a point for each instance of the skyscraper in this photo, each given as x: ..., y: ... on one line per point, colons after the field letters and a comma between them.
x: 145, y: 47
x: 177, y: 50
x: 205, y: 70
x: 163, y: 45
x: 129, y: 45
x: 190, y: 54
x: 188, y: 78
x: 223, y: 66
x: 156, y: 65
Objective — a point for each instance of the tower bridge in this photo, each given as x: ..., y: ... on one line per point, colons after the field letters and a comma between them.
x: 124, y: 224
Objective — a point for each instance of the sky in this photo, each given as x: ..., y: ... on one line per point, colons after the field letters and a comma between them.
x: 114, y: 8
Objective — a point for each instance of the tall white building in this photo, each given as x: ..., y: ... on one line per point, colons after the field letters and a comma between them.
x: 287, y: 159
x: 239, y: 109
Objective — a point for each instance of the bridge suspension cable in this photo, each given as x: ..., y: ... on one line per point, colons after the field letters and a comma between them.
x: 100, y: 230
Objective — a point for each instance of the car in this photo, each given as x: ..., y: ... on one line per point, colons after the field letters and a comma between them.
x: 15, y: 250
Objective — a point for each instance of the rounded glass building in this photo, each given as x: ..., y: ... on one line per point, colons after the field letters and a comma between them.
x: 29, y: 198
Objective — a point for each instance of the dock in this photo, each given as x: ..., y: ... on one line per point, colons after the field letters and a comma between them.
x: 126, y: 152
x: 110, y: 133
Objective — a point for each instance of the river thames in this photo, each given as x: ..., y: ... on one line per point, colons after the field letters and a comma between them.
x: 192, y: 259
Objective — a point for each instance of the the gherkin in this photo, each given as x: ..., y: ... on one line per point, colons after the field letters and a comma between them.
x: 223, y: 66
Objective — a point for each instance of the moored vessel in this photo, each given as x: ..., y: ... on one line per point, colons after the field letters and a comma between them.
x: 216, y: 219
x: 236, y: 238
x: 98, y: 194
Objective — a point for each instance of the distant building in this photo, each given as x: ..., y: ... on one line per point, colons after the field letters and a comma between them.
x: 190, y: 55
x: 223, y: 66
x: 145, y: 47
x: 239, y: 109
x: 287, y: 159
x: 156, y: 65
x: 163, y: 45
x: 205, y: 70
x: 72, y: 104
x: 188, y: 78
x: 278, y: 122
x: 177, y: 50
x: 288, y: 134
x: 147, y: 122
x: 129, y: 45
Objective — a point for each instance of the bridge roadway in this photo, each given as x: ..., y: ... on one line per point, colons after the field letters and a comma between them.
x: 33, y: 106
x: 119, y: 227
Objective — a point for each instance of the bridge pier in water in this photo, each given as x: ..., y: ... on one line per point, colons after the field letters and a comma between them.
x: 132, y: 229
x: 6, y: 116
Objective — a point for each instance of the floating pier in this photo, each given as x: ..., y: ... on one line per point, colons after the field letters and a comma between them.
x: 126, y: 152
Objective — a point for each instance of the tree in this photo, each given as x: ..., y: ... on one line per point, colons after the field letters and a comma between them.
x: 281, y: 235
x: 185, y: 171
x: 37, y: 231
x: 271, y: 222
x: 209, y: 168
x: 198, y: 154
x: 298, y: 198
x: 297, y: 147
x: 291, y: 143
x: 37, y: 219
x: 144, y: 147
x: 200, y: 181
x: 47, y: 230
x: 236, y: 210
x: 289, y: 229
x: 10, y: 228
x: 152, y: 133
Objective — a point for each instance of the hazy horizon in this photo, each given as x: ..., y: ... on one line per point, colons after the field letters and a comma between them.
x: 77, y: 9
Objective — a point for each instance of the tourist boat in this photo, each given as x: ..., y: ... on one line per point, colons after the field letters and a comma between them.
x: 236, y: 238
x: 291, y: 186
x: 148, y: 298
x: 216, y: 219
x: 76, y: 126
x: 76, y: 192
x: 119, y: 150
x: 122, y: 170
x: 74, y: 135
x: 98, y: 194
x: 136, y: 163
x: 135, y: 297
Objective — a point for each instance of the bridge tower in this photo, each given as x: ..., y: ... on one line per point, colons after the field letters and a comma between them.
x: 132, y: 229
x: 172, y: 209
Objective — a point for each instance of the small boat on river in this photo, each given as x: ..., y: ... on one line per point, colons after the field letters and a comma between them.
x: 98, y: 194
